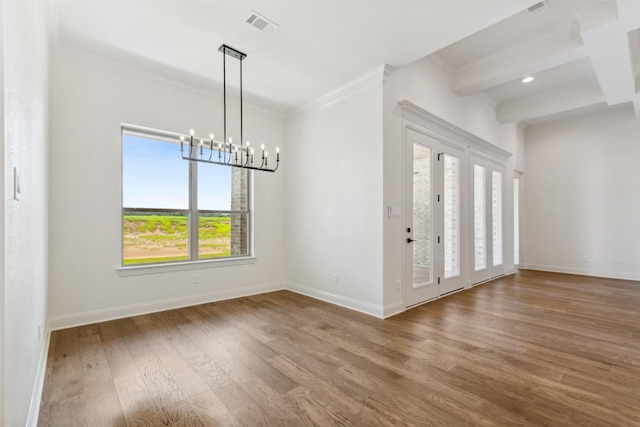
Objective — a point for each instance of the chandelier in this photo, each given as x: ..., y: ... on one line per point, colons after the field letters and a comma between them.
x: 225, y: 152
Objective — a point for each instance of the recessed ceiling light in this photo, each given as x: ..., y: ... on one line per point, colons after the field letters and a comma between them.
x: 528, y: 79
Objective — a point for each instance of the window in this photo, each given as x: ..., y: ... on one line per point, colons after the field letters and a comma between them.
x: 496, y: 214
x: 479, y: 218
x: 451, y: 216
x: 174, y: 210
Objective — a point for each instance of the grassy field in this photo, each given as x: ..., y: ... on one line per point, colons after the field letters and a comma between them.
x: 162, y: 238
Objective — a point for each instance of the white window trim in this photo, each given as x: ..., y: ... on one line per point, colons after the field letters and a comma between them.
x: 142, y: 269
x: 154, y: 268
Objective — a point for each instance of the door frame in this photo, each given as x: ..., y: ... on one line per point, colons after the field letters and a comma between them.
x: 438, y: 145
x: 490, y: 271
x: 422, y: 121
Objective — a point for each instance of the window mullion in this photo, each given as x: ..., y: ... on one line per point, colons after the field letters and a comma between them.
x: 193, y: 207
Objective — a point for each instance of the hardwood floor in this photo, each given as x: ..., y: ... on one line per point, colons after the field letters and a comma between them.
x: 530, y: 349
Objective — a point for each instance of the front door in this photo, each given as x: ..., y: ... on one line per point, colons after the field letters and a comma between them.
x: 433, y: 233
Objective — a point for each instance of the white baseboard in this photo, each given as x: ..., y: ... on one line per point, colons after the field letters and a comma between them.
x: 583, y: 271
x: 102, y: 315
x: 38, y: 385
x: 393, y: 309
x: 341, y: 300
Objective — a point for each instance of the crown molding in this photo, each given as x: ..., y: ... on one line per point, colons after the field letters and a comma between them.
x: 413, y: 113
x: 373, y: 77
x: 163, y: 75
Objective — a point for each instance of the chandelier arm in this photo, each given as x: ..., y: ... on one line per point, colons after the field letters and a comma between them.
x: 213, y: 162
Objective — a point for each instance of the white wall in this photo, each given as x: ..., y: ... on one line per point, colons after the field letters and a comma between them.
x: 90, y: 98
x: 583, y: 195
x: 334, y: 198
x: 2, y: 227
x: 25, y: 125
x: 428, y: 86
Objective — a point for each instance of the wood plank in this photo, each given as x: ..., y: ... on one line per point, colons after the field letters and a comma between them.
x: 186, y: 377
x: 102, y: 405
x: 137, y: 405
x: 524, y: 350
x: 68, y: 412
x: 212, y: 411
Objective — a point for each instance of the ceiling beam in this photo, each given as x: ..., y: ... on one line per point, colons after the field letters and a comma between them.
x: 537, y: 56
x: 550, y: 103
x: 608, y: 48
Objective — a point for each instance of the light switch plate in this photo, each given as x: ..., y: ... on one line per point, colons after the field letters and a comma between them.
x: 17, y: 193
x: 393, y: 211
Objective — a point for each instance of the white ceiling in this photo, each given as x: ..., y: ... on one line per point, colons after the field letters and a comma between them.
x: 584, y: 54
x: 319, y: 47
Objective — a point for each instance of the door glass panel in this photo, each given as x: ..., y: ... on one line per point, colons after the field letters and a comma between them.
x: 451, y: 216
x: 422, y: 255
x: 496, y: 213
x: 479, y: 218
x: 516, y: 222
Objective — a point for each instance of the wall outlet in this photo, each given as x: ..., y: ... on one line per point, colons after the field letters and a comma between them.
x: 618, y: 261
x: 335, y: 277
x: 196, y: 278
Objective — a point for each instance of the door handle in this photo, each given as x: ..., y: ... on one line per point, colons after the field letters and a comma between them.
x: 410, y: 240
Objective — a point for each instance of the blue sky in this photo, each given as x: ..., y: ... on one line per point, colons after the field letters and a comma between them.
x: 155, y: 176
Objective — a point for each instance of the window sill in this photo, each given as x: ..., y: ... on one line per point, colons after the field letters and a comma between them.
x: 138, y: 270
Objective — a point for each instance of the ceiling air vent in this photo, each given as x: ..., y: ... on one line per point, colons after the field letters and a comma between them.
x: 260, y: 22
x: 538, y: 7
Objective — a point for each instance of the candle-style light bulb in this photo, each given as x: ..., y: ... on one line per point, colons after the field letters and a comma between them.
x: 191, y: 132
x: 277, y: 154
x: 191, y: 140
x: 182, y: 143
x: 211, y: 136
x: 262, y: 146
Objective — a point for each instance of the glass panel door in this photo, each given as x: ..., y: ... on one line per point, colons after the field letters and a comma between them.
x: 479, y: 219
x: 421, y: 256
x: 496, y: 216
x: 422, y: 219
x: 451, y: 217
x: 434, y: 229
x: 487, y: 253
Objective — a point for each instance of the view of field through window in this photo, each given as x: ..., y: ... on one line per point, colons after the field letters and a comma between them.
x: 151, y: 237
x: 156, y: 205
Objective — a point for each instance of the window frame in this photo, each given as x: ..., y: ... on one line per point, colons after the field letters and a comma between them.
x: 193, y: 214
